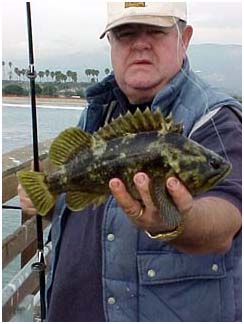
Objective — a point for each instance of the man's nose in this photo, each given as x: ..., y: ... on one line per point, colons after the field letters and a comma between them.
x: 142, y: 41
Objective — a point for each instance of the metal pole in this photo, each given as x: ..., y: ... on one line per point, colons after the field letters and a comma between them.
x: 40, y: 265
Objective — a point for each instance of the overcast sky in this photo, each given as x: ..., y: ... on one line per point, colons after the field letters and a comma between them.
x: 67, y: 27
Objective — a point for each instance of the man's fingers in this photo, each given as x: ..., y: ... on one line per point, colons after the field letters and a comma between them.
x: 180, y: 195
x: 131, y: 206
x: 21, y: 191
x: 142, y: 184
x: 25, y: 202
x: 30, y: 211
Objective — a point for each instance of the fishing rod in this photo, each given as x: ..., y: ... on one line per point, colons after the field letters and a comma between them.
x: 10, y: 207
x: 40, y: 265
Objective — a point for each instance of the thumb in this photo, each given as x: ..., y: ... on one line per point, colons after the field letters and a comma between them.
x: 180, y: 195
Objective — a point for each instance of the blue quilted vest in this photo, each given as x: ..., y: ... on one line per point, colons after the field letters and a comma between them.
x: 149, y: 280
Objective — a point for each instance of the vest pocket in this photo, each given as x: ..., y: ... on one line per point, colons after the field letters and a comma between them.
x: 180, y: 287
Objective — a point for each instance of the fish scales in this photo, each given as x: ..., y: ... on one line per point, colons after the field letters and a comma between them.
x: 122, y: 156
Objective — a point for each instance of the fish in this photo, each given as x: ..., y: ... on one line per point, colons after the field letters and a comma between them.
x: 140, y: 142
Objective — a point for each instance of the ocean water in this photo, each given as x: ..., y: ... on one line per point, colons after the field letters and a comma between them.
x: 16, y: 124
x: 16, y: 133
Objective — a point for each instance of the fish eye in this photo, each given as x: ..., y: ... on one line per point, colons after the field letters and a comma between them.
x: 214, y: 164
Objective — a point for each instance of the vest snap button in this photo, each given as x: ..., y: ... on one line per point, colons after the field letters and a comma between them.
x: 215, y: 267
x: 110, y: 237
x: 151, y: 273
x: 111, y: 301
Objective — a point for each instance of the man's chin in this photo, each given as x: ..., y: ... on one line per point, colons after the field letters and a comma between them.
x: 140, y: 87
x: 139, y: 93
x: 141, y: 83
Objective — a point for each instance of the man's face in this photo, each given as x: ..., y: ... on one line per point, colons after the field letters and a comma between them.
x: 145, y: 58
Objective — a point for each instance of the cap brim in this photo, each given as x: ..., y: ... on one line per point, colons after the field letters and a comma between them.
x: 144, y: 20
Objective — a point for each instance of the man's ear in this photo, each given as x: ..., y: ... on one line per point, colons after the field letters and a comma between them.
x: 108, y: 37
x: 186, y: 35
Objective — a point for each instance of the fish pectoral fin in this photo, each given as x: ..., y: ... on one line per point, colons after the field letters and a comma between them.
x: 68, y: 144
x: 163, y: 201
x: 35, y: 187
x: 77, y: 200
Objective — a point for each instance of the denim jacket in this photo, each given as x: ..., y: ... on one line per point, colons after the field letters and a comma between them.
x: 149, y: 280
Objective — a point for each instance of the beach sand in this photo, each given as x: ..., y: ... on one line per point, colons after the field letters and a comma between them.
x: 60, y: 101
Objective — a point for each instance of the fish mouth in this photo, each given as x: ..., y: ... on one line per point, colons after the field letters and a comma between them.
x: 214, y: 179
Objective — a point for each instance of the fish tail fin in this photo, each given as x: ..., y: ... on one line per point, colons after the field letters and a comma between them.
x: 36, y: 188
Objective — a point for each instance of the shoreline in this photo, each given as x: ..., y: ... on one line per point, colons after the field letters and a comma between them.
x: 60, y: 101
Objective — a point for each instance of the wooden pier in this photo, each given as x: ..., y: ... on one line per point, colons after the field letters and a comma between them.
x: 22, y: 242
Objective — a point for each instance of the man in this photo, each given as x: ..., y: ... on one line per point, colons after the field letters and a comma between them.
x: 112, y: 263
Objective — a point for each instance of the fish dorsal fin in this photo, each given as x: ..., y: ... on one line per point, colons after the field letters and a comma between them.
x: 171, y: 126
x: 146, y: 121
x: 68, y: 144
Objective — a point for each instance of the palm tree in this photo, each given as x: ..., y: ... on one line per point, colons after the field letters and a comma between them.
x: 96, y: 72
x: 74, y: 76
x: 88, y: 73
x: 52, y: 75
x: 47, y: 73
x: 107, y: 71
x: 64, y: 77
x: 41, y: 74
x: 18, y: 72
x: 10, y: 64
x: 3, y: 66
x: 58, y: 76
x: 23, y: 72
x: 69, y: 74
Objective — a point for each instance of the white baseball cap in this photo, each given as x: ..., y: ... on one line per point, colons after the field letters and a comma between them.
x: 160, y: 14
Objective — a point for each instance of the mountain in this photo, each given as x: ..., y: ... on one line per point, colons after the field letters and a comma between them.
x: 220, y: 65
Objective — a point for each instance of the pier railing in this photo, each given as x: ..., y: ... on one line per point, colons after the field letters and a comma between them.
x: 19, y: 293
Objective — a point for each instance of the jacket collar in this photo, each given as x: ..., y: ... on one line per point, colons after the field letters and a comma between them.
x: 168, y: 94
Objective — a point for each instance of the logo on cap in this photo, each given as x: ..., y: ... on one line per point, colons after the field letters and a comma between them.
x: 134, y: 4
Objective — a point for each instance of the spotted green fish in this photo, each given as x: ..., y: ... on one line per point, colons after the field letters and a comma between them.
x: 142, y: 142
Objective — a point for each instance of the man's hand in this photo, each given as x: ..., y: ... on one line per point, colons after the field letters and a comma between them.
x: 210, y: 223
x: 149, y: 219
x: 25, y: 202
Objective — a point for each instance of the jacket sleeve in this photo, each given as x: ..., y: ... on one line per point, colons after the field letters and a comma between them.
x: 222, y: 134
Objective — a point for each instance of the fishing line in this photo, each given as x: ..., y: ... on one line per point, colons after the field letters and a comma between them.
x: 179, y: 39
